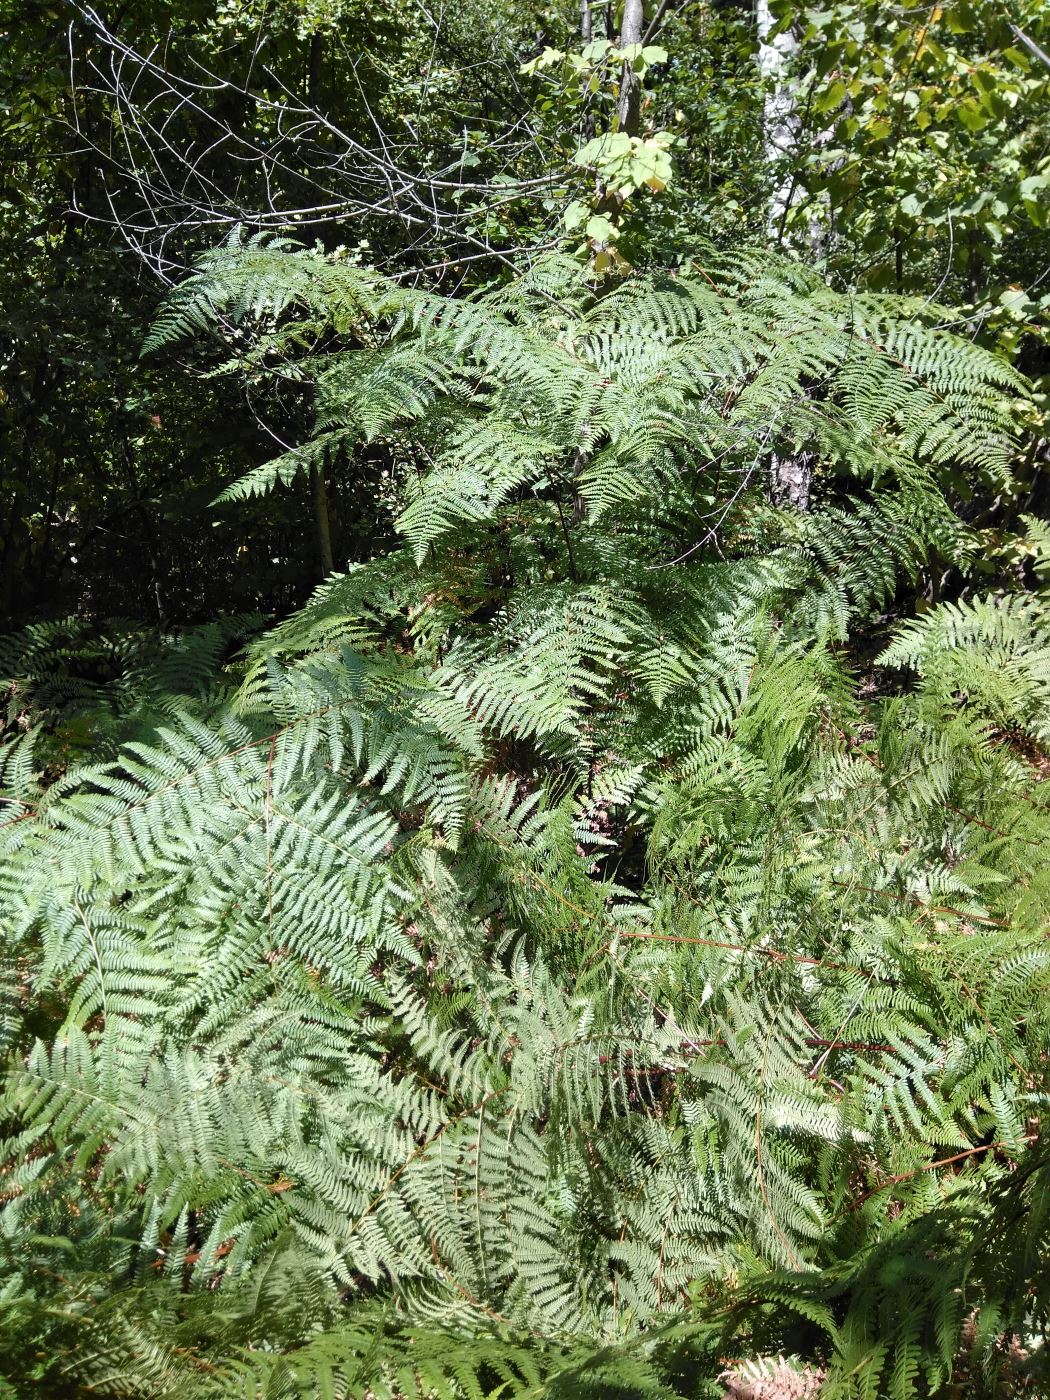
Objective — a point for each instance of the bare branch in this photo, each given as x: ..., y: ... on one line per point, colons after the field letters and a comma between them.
x: 167, y: 144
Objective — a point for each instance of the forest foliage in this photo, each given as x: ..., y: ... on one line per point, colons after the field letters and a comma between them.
x: 523, y: 822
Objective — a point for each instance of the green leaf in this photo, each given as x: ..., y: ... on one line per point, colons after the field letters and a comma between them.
x: 574, y: 215
x: 600, y: 230
x: 971, y: 115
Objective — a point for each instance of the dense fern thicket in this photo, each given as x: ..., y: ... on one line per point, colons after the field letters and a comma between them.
x: 596, y: 945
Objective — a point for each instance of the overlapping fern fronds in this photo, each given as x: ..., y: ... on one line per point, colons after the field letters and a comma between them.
x: 542, y: 967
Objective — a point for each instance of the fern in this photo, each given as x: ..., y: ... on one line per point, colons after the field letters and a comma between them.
x: 558, y: 957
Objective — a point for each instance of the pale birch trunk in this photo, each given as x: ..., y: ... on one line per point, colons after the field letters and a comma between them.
x: 791, y: 477
x: 781, y: 122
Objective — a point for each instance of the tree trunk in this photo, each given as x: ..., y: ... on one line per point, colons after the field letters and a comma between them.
x: 781, y: 125
x: 313, y: 74
x: 318, y: 486
x: 322, y: 525
x: 589, y: 123
x: 790, y: 477
x: 629, y: 105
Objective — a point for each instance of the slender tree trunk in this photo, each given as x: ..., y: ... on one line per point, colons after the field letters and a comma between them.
x: 318, y: 485
x: 781, y: 125
x: 790, y: 477
x: 629, y: 105
x: 973, y: 266
x: 629, y: 98
x: 44, y: 572
x: 898, y: 258
x: 589, y: 124
x: 313, y: 77
x: 322, y: 523
x: 149, y: 533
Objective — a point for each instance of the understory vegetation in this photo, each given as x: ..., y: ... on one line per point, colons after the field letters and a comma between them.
x: 575, y: 923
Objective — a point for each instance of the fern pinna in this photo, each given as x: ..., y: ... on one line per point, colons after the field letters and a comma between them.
x: 567, y: 956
